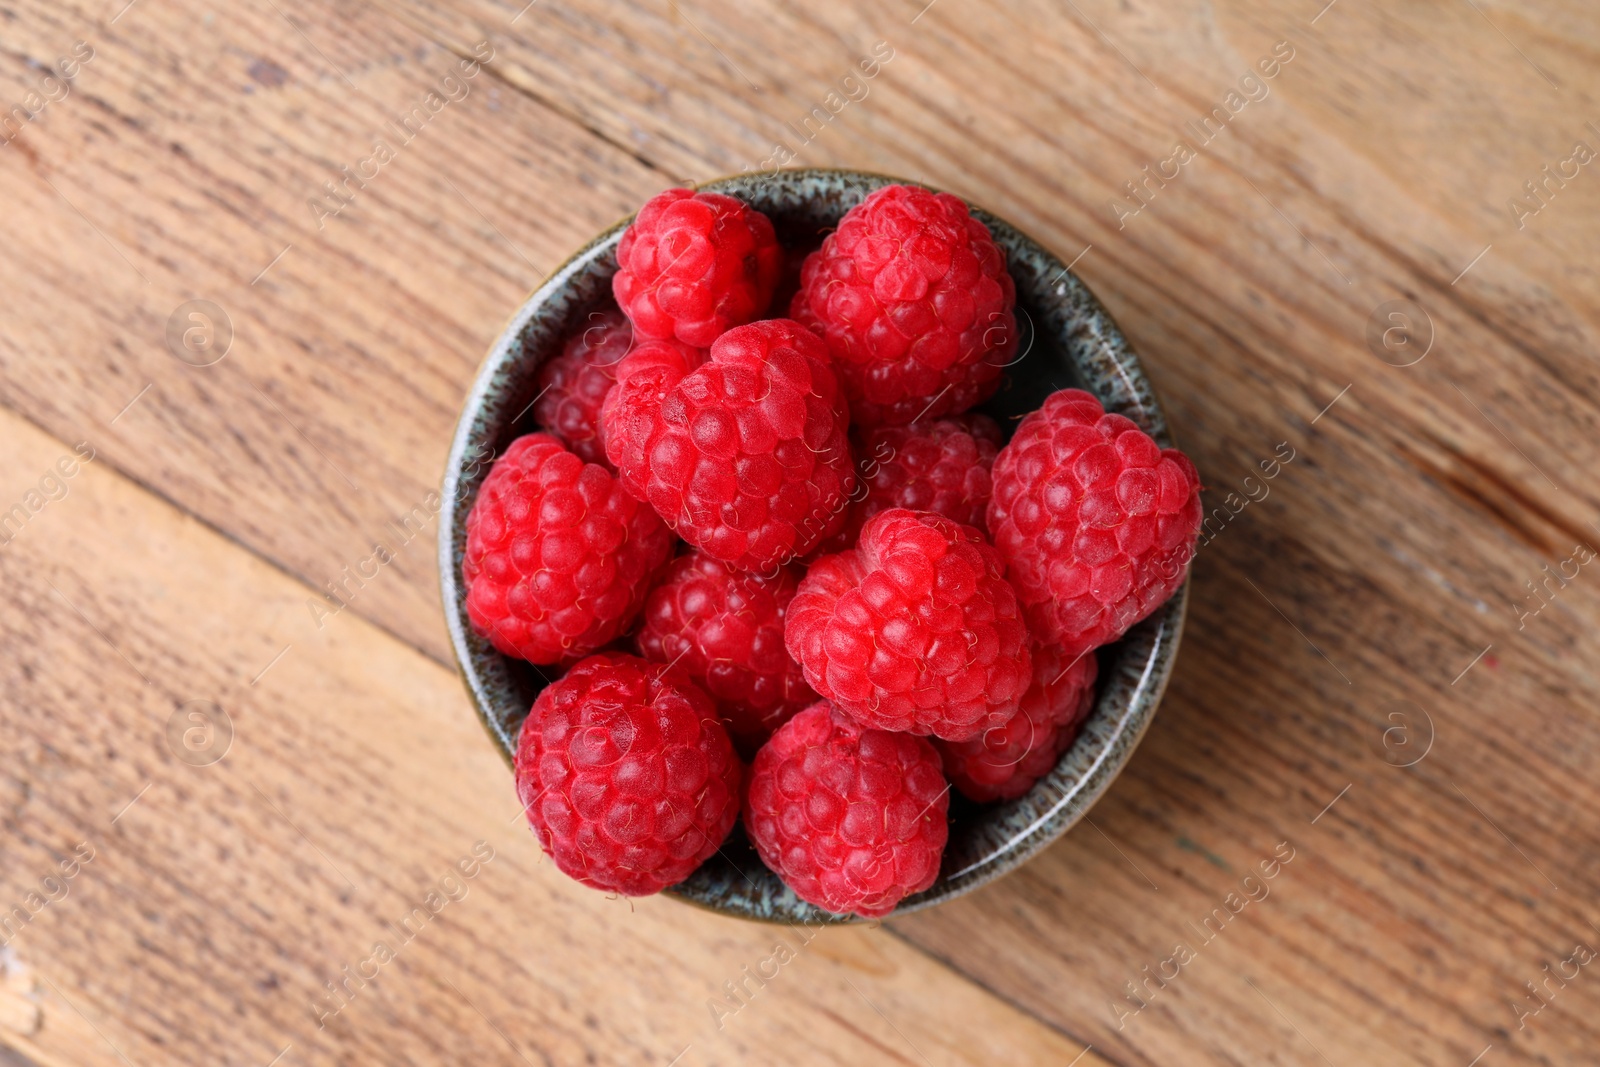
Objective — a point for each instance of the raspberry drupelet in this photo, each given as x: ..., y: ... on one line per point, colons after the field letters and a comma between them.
x: 853, y: 819
x: 912, y: 295
x: 692, y: 265
x: 746, y: 456
x: 573, y: 385
x: 1095, y: 521
x: 627, y: 775
x: 724, y: 628
x: 1003, y: 763
x: 915, y: 629
x: 558, y: 556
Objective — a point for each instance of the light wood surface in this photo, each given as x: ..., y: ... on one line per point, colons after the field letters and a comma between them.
x: 1379, y: 576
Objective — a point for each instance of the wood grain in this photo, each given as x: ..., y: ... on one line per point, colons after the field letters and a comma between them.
x: 220, y: 899
x: 329, y: 414
x: 1379, y: 166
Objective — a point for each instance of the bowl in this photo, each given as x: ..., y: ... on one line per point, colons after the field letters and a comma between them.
x: 1067, y: 340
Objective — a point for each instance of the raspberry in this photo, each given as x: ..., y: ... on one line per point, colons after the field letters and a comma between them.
x: 853, y: 819
x: 725, y: 629
x: 916, y: 629
x: 1095, y: 522
x: 558, y: 555
x: 745, y: 457
x: 626, y: 774
x: 1003, y: 763
x: 573, y: 385
x: 942, y: 467
x: 692, y: 265
x: 628, y: 415
x: 912, y: 295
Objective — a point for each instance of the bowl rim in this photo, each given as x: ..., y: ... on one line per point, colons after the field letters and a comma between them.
x: 1161, y: 632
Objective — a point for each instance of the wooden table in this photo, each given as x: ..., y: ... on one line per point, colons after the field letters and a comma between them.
x: 1379, y: 680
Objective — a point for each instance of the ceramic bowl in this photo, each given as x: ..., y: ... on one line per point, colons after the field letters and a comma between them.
x: 1067, y: 340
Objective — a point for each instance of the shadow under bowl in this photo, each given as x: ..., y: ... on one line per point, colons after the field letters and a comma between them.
x: 1068, y: 340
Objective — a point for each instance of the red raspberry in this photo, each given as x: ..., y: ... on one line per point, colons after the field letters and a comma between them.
x: 628, y: 415
x: 942, y: 467
x: 853, y: 819
x: 912, y: 295
x: 1003, y: 763
x: 916, y: 629
x: 573, y: 385
x: 1096, y: 523
x: 558, y: 555
x: 746, y: 456
x: 692, y: 265
x: 725, y: 629
x: 626, y: 775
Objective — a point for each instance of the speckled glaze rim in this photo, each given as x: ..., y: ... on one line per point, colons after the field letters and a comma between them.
x: 1069, y: 339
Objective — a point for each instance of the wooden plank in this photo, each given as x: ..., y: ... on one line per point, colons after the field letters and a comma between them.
x: 172, y: 173
x: 1379, y: 168
x: 219, y: 899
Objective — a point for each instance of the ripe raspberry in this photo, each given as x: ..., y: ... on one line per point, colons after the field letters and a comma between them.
x: 558, y: 555
x: 573, y: 385
x: 942, y: 467
x: 692, y: 265
x: 912, y: 295
x: 626, y: 775
x: 853, y: 819
x: 1095, y: 522
x: 916, y: 629
x: 746, y: 456
x: 725, y: 629
x: 1003, y: 763
x: 628, y: 415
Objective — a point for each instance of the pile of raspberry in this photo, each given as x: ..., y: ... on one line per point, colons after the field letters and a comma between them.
x: 786, y: 575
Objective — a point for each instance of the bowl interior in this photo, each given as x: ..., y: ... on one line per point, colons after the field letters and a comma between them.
x: 1068, y: 340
